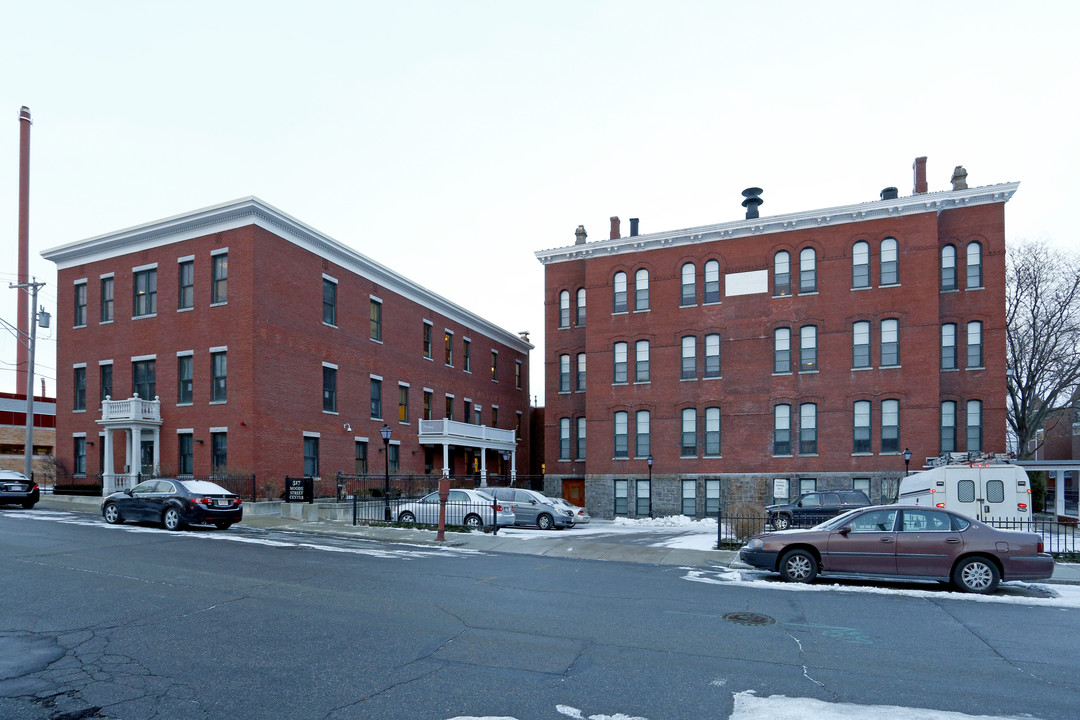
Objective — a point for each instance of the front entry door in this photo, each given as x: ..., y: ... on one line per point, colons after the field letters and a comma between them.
x: 573, y: 491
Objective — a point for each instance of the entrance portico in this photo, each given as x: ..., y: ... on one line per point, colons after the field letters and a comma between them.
x: 449, y: 432
x: 133, y: 417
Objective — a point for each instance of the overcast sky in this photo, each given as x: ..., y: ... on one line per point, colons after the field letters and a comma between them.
x: 451, y: 140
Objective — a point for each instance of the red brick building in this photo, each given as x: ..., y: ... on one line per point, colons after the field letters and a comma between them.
x: 236, y: 337
x: 775, y: 355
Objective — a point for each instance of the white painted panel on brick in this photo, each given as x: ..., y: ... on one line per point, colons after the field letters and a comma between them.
x: 747, y: 283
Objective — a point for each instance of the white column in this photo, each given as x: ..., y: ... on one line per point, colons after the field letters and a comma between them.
x: 108, y: 480
x: 513, y: 466
x: 157, y: 449
x: 483, y: 466
x: 446, y: 460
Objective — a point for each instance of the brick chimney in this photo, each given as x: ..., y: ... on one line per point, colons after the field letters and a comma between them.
x: 920, y: 175
x: 615, y: 228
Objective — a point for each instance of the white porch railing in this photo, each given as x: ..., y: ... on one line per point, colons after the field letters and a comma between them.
x: 449, y: 430
x: 134, y: 408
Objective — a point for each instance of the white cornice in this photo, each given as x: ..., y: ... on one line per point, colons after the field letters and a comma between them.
x: 860, y: 212
x: 253, y: 211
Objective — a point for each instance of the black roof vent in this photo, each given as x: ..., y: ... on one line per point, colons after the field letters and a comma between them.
x: 633, y: 227
x: 889, y: 193
x: 751, y: 202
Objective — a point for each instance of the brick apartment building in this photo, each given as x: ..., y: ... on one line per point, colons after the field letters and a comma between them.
x: 13, y: 434
x: 768, y: 356
x: 236, y: 338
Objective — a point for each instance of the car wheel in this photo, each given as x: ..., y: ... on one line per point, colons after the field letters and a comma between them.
x: 112, y: 514
x: 473, y: 522
x: 223, y: 525
x: 782, y: 522
x: 171, y: 519
x: 406, y: 517
x: 798, y: 566
x: 976, y: 575
x: 544, y: 522
x: 28, y: 505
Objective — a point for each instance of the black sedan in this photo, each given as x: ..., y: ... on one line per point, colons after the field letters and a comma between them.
x: 16, y: 488
x: 174, y: 503
x: 903, y: 543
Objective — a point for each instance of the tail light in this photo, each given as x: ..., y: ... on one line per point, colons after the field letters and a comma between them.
x: 237, y: 501
x: 201, y: 501
x: 940, y: 505
x: 1040, y: 546
x: 1021, y: 506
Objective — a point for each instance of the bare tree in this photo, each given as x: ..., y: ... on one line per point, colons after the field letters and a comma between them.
x: 1042, y: 337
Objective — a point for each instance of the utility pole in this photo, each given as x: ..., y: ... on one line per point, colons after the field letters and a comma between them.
x: 28, y: 452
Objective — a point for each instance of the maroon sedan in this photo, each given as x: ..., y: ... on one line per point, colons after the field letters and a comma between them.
x: 903, y: 543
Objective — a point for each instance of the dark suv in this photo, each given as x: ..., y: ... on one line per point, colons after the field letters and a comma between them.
x: 812, y: 508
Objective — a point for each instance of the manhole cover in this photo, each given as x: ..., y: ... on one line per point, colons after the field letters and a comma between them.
x: 749, y: 618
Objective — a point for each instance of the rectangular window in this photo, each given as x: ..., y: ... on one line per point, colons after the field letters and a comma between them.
x: 143, y: 379
x: 860, y: 265
x: 712, y: 431
x: 80, y: 456
x: 517, y: 374
x: 782, y: 430
x: 643, y: 506
x: 427, y: 340
x: 466, y: 415
x: 186, y: 285
x: 376, y: 398
x: 375, y: 313
x: 948, y: 346
x: 808, y: 429
x: 641, y: 290
x: 466, y: 355
x: 688, y: 434
x: 144, y: 283
x: 782, y: 351
x: 185, y: 454
x: 403, y: 403
x: 618, y: 289
x: 564, y: 309
x: 712, y: 356
x: 564, y: 373
x: 688, y: 358
x: 80, y: 304
x: 581, y: 372
x: 782, y: 274
x: 494, y: 416
x: 712, y: 498
x: 449, y: 407
x: 621, y: 497
x: 641, y: 361
x: 105, y: 373
x: 890, y: 268
x: 329, y: 302
x: 861, y: 442
x: 807, y: 485
x: 184, y: 380
x: 807, y: 271
x: 476, y: 415
x: 948, y: 268
x: 974, y: 346
x: 860, y: 345
x: 808, y: 348
x: 361, y: 457
x: 79, y: 399
x: 641, y: 439
x: 890, y: 426
x: 974, y: 265
x: 948, y: 426
x: 106, y: 299
x: 688, y: 291
x: 622, y: 437
x: 219, y: 278
x: 564, y: 438
x: 581, y: 438
x: 329, y: 388
x: 219, y: 450
x: 712, y: 282
x: 428, y: 402
x: 448, y: 342
x: 890, y: 343
x: 311, y: 457
x: 861, y: 484
x: 394, y: 451
x: 689, y: 497
x: 620, y: 364
x: 974, y: 426
x: 494, y: 366
x: 218, y: 376
x: 581, y: 307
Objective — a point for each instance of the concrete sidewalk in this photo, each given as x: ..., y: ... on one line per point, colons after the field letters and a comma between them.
x: 561, y: 543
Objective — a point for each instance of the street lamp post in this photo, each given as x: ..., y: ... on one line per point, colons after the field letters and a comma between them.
x: 907, y: 461
x: 385, y: 432
x: 649, y: 460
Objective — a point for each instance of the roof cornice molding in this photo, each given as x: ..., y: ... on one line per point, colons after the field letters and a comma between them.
x: 937, y: 202
x: 253, y: 211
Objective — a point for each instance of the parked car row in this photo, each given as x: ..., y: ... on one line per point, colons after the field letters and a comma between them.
x: 502, y: 505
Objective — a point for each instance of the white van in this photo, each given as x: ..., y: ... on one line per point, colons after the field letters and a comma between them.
x: 986, y: 487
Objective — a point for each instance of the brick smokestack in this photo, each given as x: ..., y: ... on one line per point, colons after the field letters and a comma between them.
x: 615, y: 228
x: 920, y: 175
x: 22, y: 353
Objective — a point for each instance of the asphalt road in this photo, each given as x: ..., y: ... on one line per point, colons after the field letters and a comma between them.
x: 134, y: 622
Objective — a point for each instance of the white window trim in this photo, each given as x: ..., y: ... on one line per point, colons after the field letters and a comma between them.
x: 403, y: 384
x: 185, y: 431
x: 104, y: 362
x: 332, y: 366
x: 141, y: 268
x: 78, y: 435
x: 330, y: 278
x: 308, y: 434
x: 106, y: 276
x: 140, y: 358
x: 222, y: 348
x: 76, y: 366
x: 376, y: 377
x: 360, y: 438
x: 219, y: 429
x: 219, y: 251
x: 186, y: 258
x: 375, y: 298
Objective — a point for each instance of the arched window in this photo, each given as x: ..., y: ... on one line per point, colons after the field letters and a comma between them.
x: 564, y: 438
x: 641, y: 362
x: 712, y: 355
x: 974, y: 426
x: 860, y: 265
x: 564, y: 309
x: 782, y: 350
x: 974, y: 346
x: 782, y: 430
x: 890, y: 342
x: 688, y: 436
x: 564, y: 373
x: 688, y: 364
x: 948, y: 426
x: 890, y: 265
x: 712, y: 431
x: 581, y: 307
x: 890, y: 426
x: 619, y: 368
x: 641, y: 430
x: 641, y: 290
x: 622, y: 438
x: 948, y: 346
x: 712, y: 281
x: 862, y: 427
x: 948, y: 268
x: 689, y: 285
x: 619, y: 290
x: 782, y: 273
x: 808, y: 429
x: 974, y: 265
x: 807, y: 271
x: 808, y: 348
x: 860, y: 344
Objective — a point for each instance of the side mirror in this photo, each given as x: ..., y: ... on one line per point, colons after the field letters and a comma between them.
x: 799, y: 504
x: 127, y: 491
x: 844, y: 530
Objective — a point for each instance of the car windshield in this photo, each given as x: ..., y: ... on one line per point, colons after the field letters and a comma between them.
x: 204, y: 487
x: 837, y: 521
